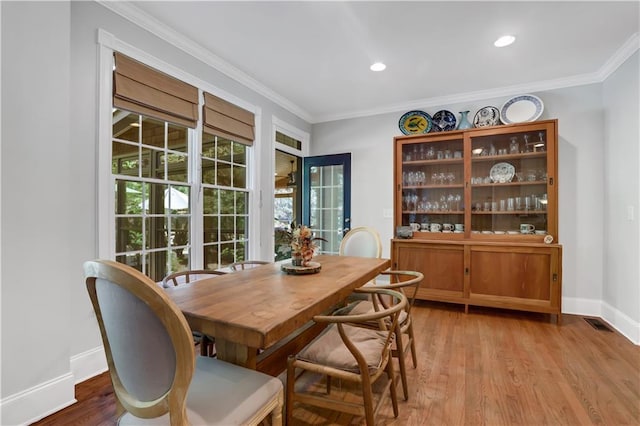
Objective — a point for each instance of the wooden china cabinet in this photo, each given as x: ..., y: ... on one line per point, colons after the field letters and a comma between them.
x: 483, y: 205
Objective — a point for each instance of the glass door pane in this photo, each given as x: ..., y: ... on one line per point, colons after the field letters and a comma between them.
x: 327, y: 198
x: 433, y: 186
x: 509, y: 183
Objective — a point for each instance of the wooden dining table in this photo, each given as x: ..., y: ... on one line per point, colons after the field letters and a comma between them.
x: 253, y: 311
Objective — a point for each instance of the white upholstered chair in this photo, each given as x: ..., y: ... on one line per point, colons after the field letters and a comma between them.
x: 362, y: 241
x: 349, y: 349
x: 169, y: 385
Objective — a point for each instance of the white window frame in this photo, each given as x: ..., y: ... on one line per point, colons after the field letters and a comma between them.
x: 284, y: 127
x: 107, y: 44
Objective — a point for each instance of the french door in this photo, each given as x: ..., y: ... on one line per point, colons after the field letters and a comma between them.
x: 326, y: 198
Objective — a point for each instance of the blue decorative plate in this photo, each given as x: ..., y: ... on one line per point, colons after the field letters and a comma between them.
x: 414, y: 122
x: 443, y: 121
x: 520, y: 109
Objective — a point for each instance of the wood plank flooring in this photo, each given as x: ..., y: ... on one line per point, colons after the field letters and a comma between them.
x: 487, y: 367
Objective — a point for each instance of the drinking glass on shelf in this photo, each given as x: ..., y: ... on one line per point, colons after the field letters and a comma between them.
x: 527, y: 146
x: 431, y: 153
x: 451, y: 177
x: 514, y: 147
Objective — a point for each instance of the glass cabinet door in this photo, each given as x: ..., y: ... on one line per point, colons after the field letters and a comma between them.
x: 433, y: 185
x: 509, y: 181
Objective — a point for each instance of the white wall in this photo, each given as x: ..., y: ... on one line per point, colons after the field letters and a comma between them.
x: 581, y: 120
x: 38, y: 208
x: 621, y: 294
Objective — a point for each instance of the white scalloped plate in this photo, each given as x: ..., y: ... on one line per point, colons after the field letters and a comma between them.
x: 521, y: 109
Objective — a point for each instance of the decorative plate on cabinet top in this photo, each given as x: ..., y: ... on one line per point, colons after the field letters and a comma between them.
x: 415, y: 122
x: 502, y: 172
x: 521, y: 109
x: 487, y: 116
x: 443, y: 121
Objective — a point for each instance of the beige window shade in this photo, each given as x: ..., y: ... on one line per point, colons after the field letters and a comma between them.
x: 227, y: 120
x: 139, y: 88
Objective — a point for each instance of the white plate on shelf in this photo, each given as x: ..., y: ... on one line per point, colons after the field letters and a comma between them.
x: 521, y: 109
x: 502, y: 172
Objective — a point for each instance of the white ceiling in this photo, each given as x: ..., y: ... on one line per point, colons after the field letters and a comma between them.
x: 314, y: 57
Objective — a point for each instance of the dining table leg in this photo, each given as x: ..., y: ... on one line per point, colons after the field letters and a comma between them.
x: 236, y: 353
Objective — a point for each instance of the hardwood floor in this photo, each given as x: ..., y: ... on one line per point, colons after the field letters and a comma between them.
x: 487, y: 367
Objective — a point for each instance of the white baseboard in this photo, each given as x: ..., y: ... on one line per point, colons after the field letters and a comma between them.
x: 578, y: 306
x: 39, y: 401
x: 598, y: 308
x: 621, y: 322
x: 45, y: 399
x: 88, y: 364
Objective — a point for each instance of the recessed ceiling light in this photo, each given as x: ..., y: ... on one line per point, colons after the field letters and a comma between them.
x: 504, y: 41
x: 378, y: 66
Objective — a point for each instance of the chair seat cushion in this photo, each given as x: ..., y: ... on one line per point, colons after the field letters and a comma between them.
x: 220, y: 393
x: 329, y: 349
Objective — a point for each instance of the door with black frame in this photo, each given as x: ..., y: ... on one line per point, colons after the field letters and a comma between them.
x: 326, y: 198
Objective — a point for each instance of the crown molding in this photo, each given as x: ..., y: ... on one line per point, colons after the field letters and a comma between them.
x: 147, y: 22
x: 507, y: 91
x: 618, y: 58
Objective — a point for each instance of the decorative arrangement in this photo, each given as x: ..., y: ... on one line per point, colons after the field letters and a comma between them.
x: 517, y: 109
x: 303, y: 247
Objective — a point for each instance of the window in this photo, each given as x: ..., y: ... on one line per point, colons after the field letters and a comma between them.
x: 177, y: 206
x: 150, y: 164
x: 225, y: 201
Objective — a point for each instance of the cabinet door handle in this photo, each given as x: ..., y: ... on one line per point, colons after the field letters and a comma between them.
x: 555, y: 277
x: 466, y: 271
x: 550, y: 181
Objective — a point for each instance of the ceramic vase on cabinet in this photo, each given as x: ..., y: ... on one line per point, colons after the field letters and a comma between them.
x: 464, y: 123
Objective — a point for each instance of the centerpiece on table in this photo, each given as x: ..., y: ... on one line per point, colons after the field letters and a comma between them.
x: 303, y: 247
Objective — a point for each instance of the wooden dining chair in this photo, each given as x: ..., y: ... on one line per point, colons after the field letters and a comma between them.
x: 408, y: 283
x: 169, y: 384
x: 362, y: 241
x: 188, y: 276
x: 246, y: 264
x: 349, y: 350
x: 207, y: 343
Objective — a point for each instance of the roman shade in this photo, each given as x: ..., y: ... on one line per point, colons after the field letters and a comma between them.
x: 144, y: 90
x: 222, y: 118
